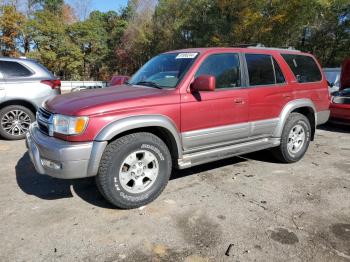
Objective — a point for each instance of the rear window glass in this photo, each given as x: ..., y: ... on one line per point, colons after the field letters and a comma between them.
x: 13, y: 69
x: 304, y: 68
x: 263, y: 70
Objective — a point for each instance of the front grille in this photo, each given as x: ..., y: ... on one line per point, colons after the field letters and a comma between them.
x: 43, y: 128
x: 44, y: 119
x: 44, y: 113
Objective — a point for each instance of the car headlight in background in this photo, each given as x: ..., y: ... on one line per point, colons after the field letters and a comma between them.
x: 69, y: 125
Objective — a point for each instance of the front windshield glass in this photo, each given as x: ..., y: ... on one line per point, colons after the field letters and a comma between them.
x: 164, y: 71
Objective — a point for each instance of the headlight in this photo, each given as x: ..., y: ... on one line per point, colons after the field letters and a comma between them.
x: 69, y: 125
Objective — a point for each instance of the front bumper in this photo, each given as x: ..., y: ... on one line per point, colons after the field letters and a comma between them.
x: 340, y: 112
x: 68, y: 159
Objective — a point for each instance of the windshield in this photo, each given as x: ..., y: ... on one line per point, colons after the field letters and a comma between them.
x: 164, y: 71
x: 333, y: 77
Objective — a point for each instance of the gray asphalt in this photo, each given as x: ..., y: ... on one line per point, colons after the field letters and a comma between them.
x: 263, y: 210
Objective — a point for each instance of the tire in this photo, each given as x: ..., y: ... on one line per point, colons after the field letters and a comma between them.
x: 9, y: 128
x: 120, y: 178
x: 284, y: 152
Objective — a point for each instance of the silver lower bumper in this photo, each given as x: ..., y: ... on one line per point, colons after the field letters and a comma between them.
x: 322, y: 117
x: 63, y: 159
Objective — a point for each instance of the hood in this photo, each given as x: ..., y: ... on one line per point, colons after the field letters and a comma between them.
x: 96, y: 101
x: 345, y: 75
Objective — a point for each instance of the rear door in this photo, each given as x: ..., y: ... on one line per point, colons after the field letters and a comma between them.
x: 216, y: 117
x: 310, y: 83
x: 268, y: 93
x: 16, y: 79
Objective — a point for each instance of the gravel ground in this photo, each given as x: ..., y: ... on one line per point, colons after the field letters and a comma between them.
x: 263, y: 210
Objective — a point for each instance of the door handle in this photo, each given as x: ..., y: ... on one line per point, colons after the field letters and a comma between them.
x: 239, y: 101
x: 286, y: 96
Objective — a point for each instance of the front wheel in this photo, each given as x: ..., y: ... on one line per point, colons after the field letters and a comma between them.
x: 295, y: 139
x: 134, y: 170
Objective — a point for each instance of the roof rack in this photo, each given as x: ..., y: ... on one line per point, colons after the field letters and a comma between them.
x: 261, y: 46
x: 243, y: 45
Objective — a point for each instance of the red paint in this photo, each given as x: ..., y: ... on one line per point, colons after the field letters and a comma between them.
x: 341, y: 112
x: 345, y: 75
x: 203, y: 83
x: 118, y: 80
x: 187, y: 109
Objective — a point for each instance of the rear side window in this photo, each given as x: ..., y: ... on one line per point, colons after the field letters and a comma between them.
x: 263, y: 70
x: 225, y: 68
x: 13, y: 69
x: 304, y: 68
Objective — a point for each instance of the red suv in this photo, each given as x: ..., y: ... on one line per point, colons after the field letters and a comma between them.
x: 181, y: 109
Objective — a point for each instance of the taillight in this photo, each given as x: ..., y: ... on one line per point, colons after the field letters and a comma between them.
x: 54, y: 84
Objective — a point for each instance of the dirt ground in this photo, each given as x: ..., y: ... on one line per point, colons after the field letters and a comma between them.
x: 263, y: 210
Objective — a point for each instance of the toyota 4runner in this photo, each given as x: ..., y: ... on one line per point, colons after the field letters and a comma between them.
x: 181, y: 109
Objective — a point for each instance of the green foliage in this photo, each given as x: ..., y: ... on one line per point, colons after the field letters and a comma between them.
x: 52, y: 5
x: 53, y: 46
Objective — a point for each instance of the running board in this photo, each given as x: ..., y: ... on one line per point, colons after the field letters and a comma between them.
x: 210, y: 155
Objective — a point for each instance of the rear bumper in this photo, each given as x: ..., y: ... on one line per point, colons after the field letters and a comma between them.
x: 63, y: 159
x: 322, y: 117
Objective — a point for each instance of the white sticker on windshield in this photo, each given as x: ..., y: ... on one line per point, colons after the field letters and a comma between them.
x: 186, y: 55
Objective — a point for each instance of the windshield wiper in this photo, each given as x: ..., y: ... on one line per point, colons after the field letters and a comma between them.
x: 149, y: 83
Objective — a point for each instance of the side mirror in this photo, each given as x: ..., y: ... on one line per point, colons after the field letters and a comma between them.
x: 204, y: 83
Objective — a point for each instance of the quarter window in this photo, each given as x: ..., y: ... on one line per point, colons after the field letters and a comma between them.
x: 263, y: 70
x: 224, y: 67
x: 304, y: 68
x: 13, y: 69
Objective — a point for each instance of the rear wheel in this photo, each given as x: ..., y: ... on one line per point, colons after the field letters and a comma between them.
x: 295, y: 139
x: 15, y: 121
x: 134, y: 170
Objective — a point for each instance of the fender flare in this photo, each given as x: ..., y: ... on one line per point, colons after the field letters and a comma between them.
x: 288, y: 108
x: 133, y: 122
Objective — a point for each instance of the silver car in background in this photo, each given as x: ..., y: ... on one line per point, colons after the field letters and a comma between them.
x: 24, y: 85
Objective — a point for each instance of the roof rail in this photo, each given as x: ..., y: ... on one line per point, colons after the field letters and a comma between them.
x: 261, y: 46
x: 243, y: 45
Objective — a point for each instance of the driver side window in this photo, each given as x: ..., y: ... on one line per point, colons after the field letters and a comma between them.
x: 224, y: 67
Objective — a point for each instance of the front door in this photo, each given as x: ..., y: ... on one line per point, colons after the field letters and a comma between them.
x: 210, y: 118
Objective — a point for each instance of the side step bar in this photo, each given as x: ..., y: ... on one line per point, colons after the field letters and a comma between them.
x: 210, y: 155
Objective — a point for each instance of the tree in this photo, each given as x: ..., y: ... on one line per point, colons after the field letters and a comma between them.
x: 52, y: 5
x: 136, y: 45
x: 82, y: 8
x: 53, y: 47
x: 329, y: 36
x: 11, y: 23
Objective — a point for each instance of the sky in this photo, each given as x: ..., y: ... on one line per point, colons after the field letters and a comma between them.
x: 106, y: 5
